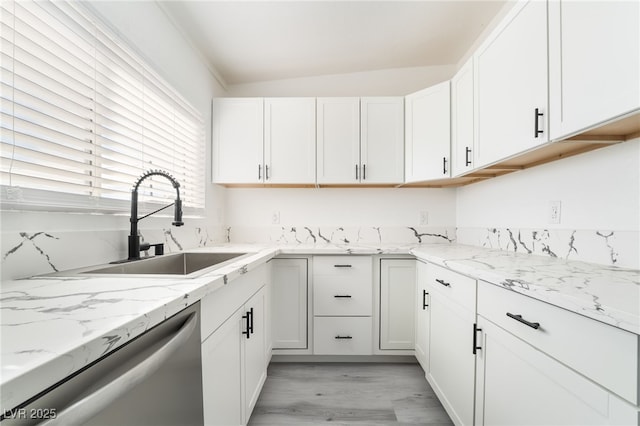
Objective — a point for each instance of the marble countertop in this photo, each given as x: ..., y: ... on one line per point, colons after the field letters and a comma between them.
x: 53, y: 326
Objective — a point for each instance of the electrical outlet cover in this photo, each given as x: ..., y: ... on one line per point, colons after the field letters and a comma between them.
x: 554, y: 212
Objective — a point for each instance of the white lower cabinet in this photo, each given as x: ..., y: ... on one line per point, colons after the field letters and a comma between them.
x: 255, y: 363
x: 519, y: 385
x: 289, y: 306
x: 222, y: 363
x: 451, y: 357
x: 397, y: 293
x: 235, y: 348
x: 234, y: 355
x: 422, y: 316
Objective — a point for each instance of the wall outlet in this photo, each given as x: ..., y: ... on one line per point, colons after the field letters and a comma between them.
x: 424, y: 218
x: 275, y: 218
x: 554, y: 212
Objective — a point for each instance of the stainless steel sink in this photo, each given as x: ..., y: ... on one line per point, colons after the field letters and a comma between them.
x: 172, y: 264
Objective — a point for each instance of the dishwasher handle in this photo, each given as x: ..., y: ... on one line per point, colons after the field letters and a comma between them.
x: 81, y: 411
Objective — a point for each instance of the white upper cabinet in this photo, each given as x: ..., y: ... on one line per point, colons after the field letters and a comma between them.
x: 360, y: 141
x: 462, y: 128
x: 594, y: 63
x: 338, y: 130
x: 237, y: 133
x: 382, y: 140
x: 428, y: 133
x: 290, y: 140
x: 510, y: 72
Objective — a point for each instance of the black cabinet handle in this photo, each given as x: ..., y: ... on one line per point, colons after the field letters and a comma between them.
x: 343, y: 296
x: 475, y: 338
x: 443, y: 282
x: 537, y: 130
x: 251, y: 320
x: 259, y: 171
x: 424, y: 299
x: 356, y: 172
x: 444, y: 165
x: 247, y: 332
x: 519, y: 318
x: 342, y: 266
x: 467, y: 161
x: 266, y: 172
x: 343, y: 337
x: 364, y: 172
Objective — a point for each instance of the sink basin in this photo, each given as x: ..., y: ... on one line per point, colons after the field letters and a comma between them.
x: 172, y: 264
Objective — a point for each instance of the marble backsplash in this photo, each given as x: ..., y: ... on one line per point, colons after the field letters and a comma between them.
x: 613, y: 248
x: 25, y: 254
x: 339, y: 235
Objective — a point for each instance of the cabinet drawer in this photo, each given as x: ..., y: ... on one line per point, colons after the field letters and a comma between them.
x: 342, y: 298
x: 342, y: 336
x: 459, y: 288
x: 605, y: 354
x: 342, y: 285
x: 347, y: 267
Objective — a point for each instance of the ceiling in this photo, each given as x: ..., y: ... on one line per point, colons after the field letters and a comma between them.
x: 250, y: 41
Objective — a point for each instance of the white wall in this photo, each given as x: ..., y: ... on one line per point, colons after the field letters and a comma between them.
x: 389, y: 82
x: 598, y: 190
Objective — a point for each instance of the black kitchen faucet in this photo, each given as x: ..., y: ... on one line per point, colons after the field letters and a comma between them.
x: 134, y: 239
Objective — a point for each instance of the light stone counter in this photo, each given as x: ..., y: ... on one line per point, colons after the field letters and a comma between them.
x: 605, y: 293
x: 54, y: 326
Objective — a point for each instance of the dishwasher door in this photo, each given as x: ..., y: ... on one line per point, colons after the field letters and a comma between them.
x: 156, y: 379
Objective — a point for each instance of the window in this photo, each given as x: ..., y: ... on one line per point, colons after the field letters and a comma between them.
x: 82, y: 117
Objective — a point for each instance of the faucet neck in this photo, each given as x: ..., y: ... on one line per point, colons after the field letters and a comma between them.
x: 134, y: 238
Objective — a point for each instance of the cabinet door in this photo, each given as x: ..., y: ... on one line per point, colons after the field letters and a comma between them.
x: 422, y: 316
x: 451, y: 359
x: 255, y: 365
x: 428, y: 134
x: 289, y: 303
x: 397, y: 292
x: 382, y: 141
x: 237, y: 134
x: 338, y: 130
x: 511, y: 83
x: 585, y: 92
x: 462, y: 129
x: 221, y: 363
x: 519, y: 385
x: 290, y: 140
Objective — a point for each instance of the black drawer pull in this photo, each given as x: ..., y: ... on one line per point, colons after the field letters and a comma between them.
x: 343, y: 296
x: 519, y: 318
x: 343, y: 337
x: 443, y: 282
x: 424, y: 299
x: 342, y: 266
x: 475, y: 338
x: 467, y: 161
x: 248, y: 318
x: 536, y: 125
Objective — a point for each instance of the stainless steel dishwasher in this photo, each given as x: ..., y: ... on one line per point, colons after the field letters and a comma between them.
x: 156, y: 379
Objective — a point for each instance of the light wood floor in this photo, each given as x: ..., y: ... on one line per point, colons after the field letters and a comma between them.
x: 347, y: 394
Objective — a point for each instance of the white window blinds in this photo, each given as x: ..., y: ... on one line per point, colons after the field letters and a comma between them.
x: 83, y: 116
